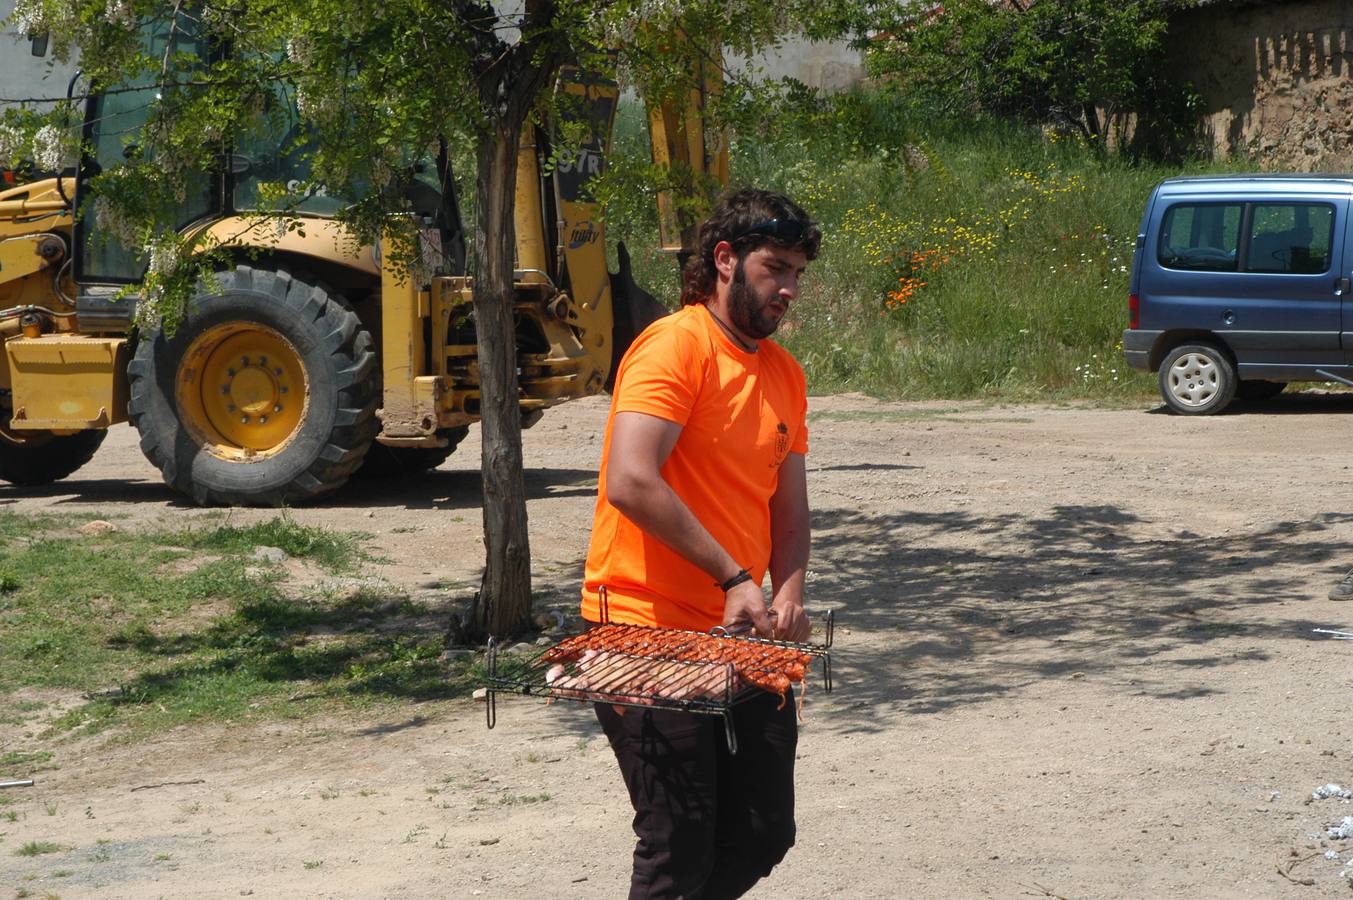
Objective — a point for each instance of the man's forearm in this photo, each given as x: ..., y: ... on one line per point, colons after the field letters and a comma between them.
x: 663, y: 515
x: 789, y: 567
x: 790, y: 531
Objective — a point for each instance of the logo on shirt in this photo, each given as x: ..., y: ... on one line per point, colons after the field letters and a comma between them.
x: 781, y: 443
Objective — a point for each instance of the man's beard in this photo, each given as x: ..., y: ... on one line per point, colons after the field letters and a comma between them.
x: 749, y: 312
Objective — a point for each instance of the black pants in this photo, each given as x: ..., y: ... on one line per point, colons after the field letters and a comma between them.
x: 710, y: 824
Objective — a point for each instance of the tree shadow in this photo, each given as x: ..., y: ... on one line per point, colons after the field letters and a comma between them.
x: 940, y: 611
x: 97, y: 490
x: 454, y: 489
x: 935, y: 611
x: 367, y: 644
x: 450, y: 489
x: 925, y: 626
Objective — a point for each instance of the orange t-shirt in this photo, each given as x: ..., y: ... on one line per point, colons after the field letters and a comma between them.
x: 741, y: 414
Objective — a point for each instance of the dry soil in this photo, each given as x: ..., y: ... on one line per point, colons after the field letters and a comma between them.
x: 1075, y: 657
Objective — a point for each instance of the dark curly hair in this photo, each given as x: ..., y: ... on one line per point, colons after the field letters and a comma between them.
x: 737, y: 218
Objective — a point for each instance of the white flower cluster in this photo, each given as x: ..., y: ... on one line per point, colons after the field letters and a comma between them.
x: 30, y: 17
x: 164, y: 256
x: 646, y: 14
x: 52, y: 151
x: 120, y: 12
x: 49, y: 148
x: 112, y: 221
x: 12, y: 143
x: 301, y: 50
x: 148, y: 316
x: 320, y: 109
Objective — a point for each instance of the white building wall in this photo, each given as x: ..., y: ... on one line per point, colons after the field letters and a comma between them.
x: 826, y: 65
x: 24, y: 76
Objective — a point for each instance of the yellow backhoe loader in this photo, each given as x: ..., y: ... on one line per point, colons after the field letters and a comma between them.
x: 309, y: 359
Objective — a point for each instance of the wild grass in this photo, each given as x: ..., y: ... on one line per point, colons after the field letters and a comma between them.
x: 40, y: 848
x: 158, y: 628
x: 959, y: 260
x: 339, y: 551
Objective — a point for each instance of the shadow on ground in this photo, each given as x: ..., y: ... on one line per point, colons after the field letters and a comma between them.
x: 1049, y: 596
x: 1291, y: 402
x: 922, y: 627
x: 449, y: 489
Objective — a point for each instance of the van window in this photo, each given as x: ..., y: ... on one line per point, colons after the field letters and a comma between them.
x: 1290, y: 237
x: 1200, y: 236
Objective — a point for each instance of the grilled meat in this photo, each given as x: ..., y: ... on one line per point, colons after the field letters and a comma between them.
x: 642, y: 663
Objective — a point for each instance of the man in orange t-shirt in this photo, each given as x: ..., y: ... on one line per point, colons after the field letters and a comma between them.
x: 702, y: 492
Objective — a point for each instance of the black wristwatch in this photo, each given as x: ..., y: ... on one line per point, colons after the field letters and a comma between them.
x: 726, y: 586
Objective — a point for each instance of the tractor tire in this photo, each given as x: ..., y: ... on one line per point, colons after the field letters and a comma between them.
x: 264, y: 396
x: 40, y: 457
x: 402, y: 462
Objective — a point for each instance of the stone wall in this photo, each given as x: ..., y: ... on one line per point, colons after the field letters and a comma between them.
x: 1276, y: 80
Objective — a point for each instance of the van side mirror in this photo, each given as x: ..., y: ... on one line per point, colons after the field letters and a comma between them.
x: 39, y: 44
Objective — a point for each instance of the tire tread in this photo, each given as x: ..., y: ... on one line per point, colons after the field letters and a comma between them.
x: 355, y: 425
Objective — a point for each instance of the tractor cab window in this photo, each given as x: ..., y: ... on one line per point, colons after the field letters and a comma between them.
x: 113, y: 122
x: 275, y: 160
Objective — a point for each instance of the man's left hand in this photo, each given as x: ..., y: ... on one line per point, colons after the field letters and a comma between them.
x: 791, y: 622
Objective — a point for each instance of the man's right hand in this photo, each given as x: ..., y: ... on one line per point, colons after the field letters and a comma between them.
x: 746, y: 603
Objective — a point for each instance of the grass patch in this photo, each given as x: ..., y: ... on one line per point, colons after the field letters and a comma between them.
x: 27, y: 760
x: 332, y: 549
x: 39, y: 848
x: 117, y: 618
x: 993, y: 263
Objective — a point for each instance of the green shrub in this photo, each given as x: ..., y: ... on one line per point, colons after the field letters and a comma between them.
x: 974, y: 259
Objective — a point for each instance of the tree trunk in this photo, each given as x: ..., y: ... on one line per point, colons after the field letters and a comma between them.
x: 1094, y: 128
x: 503, y: 605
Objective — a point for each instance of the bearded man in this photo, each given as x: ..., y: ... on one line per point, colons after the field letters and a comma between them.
x: 702, y: 493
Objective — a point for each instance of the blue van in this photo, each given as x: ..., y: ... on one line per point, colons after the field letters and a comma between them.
x: 1240, y: 285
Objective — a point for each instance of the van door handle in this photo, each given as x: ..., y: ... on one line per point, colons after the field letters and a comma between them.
x: 1342, y: 286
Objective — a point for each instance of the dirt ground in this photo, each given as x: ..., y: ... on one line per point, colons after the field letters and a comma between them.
x: 1075, y: 658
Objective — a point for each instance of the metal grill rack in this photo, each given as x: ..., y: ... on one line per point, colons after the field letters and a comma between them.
x: 649, y: 680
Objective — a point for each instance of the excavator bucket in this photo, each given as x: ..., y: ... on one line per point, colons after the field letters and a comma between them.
x: 634, y: 309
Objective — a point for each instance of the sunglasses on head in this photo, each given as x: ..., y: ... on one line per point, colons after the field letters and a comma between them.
x: 780, y: 229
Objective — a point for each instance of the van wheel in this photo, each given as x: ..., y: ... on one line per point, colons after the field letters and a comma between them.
x: 1197, y: 380
x: 1259, y: 390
